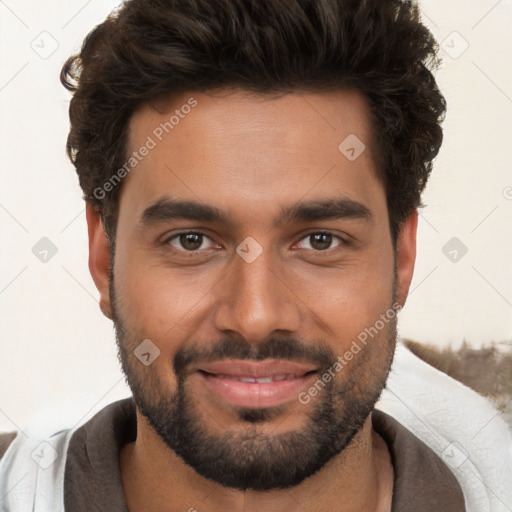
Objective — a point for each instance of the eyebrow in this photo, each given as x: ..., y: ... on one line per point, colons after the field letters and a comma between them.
x: 167, y: 208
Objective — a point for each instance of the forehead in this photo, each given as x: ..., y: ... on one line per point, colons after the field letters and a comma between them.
x: 243, y: 151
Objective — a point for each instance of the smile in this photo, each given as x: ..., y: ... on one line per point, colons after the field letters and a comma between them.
x: 255, y: 384
x: 261, y: 380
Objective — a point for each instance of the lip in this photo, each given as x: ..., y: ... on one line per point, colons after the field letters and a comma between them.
x: 279, y: 381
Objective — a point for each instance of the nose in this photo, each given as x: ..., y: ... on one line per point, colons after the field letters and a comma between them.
x: 256, y: 300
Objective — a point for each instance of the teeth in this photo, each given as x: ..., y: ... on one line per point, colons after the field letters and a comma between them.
x: 264, y: 381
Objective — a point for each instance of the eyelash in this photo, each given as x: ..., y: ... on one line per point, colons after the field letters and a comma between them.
x: 342, y: 242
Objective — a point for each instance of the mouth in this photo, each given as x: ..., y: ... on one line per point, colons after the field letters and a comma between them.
x: 262, y: 380
x: 255, y: 384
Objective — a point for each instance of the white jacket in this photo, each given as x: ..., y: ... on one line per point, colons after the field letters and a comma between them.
x: 462, y: 427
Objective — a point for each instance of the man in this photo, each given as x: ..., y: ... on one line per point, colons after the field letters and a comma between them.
x: 252, y: 172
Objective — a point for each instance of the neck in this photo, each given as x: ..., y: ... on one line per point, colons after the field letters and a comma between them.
x: 155, y: 479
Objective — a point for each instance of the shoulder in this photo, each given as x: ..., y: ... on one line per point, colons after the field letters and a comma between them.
x: 420, y: 476
x: 464, y: 430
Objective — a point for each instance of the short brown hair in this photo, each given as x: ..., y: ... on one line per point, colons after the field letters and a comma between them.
x: 152, y: 48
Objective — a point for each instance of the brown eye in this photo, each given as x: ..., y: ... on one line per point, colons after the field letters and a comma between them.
x: 320, y: 241
x: 189, y: 241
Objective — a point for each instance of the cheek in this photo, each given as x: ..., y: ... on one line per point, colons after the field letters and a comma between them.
x: 352, y: 296
x: 158, y: 301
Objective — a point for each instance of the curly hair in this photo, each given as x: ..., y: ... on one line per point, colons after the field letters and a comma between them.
x: 149, y: 49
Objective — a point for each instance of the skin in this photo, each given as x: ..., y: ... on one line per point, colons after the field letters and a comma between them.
x: 250, y: 155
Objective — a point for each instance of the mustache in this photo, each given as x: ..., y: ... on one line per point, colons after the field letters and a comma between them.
x: 289, y: 349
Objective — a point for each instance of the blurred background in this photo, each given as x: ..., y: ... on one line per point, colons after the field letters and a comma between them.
x: 57, y: 351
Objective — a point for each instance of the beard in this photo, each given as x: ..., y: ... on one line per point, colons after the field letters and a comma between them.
x: 247, y: 454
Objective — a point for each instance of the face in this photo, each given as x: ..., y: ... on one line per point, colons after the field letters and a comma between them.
x: 255, y: 256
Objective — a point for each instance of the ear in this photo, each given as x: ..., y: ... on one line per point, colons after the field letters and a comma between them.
x: 406, y: 256
x: 99, y: 257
